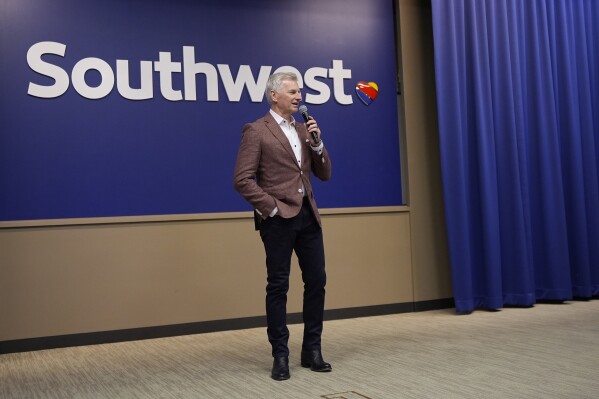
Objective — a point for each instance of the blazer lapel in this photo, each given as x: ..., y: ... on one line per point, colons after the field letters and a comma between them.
x: 276, y: 131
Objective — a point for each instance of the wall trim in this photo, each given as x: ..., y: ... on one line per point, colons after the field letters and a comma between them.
x: 192, y: 217
x: 135, y: 334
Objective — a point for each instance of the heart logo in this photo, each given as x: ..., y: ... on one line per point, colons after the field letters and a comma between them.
x: 367, y: 92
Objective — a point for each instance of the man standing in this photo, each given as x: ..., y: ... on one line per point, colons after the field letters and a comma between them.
x: 276, y: 157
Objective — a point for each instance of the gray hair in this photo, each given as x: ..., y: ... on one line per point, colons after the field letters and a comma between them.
x: 274, y: 83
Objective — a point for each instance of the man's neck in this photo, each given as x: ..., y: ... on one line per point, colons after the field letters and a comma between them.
x: 288, y: 118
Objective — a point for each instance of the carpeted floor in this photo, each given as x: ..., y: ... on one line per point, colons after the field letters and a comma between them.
x: 549, y: 351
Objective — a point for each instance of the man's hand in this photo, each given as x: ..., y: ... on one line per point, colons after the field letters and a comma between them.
x: 312, y: 126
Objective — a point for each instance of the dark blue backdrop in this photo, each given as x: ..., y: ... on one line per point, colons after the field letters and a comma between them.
x: 71, y: 156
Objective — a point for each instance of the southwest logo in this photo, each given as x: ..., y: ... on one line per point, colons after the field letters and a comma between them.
x: 166, y: 70
x: 367, y: 92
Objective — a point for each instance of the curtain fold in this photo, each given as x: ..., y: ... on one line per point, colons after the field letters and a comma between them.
x: 518, y: 103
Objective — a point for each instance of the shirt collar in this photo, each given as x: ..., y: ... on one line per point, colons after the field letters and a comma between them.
x: 279, y: 119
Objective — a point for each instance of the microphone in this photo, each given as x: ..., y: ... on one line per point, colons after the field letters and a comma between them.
x: 304, y: 111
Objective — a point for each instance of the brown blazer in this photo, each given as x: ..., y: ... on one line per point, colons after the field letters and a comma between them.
x: 267, y: 174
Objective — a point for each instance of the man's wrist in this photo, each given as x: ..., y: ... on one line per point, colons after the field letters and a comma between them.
x: 318, y: 147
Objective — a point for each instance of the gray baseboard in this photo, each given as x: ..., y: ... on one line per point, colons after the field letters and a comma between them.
x: 134, y: 334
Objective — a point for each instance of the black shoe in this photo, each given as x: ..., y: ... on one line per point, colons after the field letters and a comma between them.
x: 280, y: 368
x: 313, y: 359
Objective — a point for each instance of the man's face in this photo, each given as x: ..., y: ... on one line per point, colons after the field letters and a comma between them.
x: 286, y: 101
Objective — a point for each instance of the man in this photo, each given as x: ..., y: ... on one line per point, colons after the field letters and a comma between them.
x: 276, y: 157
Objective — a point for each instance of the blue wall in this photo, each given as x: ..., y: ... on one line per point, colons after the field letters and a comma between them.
x: 75, y: 144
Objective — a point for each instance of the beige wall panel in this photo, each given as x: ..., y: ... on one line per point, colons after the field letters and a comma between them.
x: 76, y: 279
x: 432, y: 279
x: 96, y: 278
x: 368, y: 259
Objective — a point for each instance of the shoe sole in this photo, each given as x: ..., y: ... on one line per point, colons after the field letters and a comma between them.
x: 309, y: 366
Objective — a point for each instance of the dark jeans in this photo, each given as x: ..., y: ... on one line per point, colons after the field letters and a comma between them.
x: 281, y: 237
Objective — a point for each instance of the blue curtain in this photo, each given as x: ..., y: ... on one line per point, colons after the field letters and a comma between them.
x: 518, y: 104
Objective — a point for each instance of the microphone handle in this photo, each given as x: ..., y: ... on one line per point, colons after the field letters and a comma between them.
x: 314, y: 134
x: 315, y: 138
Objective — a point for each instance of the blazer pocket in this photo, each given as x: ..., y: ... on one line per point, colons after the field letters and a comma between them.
x: 280, y: 195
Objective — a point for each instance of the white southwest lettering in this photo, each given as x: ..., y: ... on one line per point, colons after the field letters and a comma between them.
x: 78, y: 78
x: 191, y: 69
x: 166, y: 68
x: 314, y: 78
x: 244, y: 79
x: 122, y: 80
x: 61, y: 78
x: 315, y: 84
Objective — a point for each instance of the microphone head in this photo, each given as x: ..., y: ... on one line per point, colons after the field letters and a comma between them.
x: 304, y: 111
